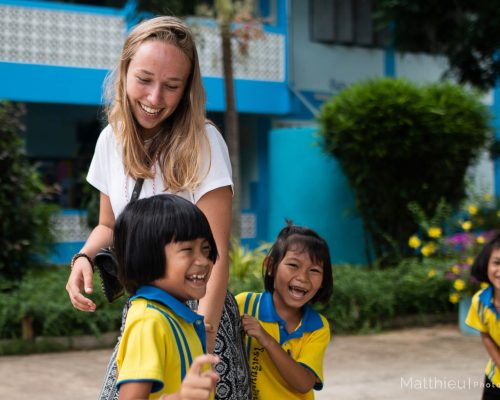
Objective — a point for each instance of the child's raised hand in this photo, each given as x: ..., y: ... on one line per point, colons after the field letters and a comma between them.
x: 254, y: 329
x: 198, y: 384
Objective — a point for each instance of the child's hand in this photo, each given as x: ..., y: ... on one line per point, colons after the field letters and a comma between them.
x: 254, y: 329
x: 198, y: 385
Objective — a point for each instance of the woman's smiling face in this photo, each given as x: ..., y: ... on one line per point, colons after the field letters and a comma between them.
x: 156, y: 79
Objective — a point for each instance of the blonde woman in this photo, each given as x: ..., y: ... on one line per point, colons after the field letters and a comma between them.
x: 158, y: 131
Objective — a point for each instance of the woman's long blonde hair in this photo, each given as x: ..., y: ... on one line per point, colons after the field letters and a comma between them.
x: 179, y: 145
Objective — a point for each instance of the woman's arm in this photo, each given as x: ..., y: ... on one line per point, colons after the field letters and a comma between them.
x: 81, y: 274
x: 491, y: 347
x: 216, y: 205
x: 298, y: 377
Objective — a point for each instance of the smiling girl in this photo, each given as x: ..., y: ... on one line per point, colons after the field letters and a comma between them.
x: 286, y: 339
x: 165, y: 252
x: 484, y: 313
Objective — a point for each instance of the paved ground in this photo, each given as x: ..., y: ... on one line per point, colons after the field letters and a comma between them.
x: 424, y: 363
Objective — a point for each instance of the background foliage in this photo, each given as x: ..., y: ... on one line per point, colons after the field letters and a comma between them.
x: 24, y: 218
x: 363, y: 299
x: 42, y: 296
x: 466, y: 32
x: 399, y: 143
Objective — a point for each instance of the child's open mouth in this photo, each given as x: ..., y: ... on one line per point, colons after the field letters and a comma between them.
x: 197, y: 279
x: 297, y: 292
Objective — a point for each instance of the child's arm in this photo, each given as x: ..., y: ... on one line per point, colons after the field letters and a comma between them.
x: 135, y: 390
x: 491, y: 347
x: 196, y: 385
x: 298, y: 377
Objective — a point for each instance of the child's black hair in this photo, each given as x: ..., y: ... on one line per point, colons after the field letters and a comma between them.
x: 479, y: 269
x: 143, y: 230
x: 300, y: 239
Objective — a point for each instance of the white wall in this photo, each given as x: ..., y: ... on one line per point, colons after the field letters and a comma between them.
x: 322, y: 67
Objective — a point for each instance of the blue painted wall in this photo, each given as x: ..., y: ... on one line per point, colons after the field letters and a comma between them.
x: 70, y: 85
x: 495, y: 109
x: 307, y: 186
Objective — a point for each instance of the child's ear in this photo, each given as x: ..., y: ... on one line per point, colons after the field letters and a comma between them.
x: 267, y: 263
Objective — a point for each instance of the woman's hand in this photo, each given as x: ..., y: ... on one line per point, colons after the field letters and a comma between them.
x: 80, y: 280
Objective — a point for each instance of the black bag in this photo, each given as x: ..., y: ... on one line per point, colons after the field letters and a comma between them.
x: 106, y: 265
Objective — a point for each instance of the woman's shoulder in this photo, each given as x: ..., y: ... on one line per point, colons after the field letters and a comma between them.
x: 107, y: 134
x: 213, y: 134
x: 107, y: 139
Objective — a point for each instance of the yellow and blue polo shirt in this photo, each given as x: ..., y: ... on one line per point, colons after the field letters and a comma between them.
x: 306, y: 345
x: 484, y: 317
x: 162, y: 336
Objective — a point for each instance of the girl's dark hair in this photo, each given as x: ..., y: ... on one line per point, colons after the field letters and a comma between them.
x: 305, y: 240
x: 479, y: 269
x: 143, y: 230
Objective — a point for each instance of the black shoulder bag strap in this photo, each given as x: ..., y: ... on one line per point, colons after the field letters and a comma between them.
x: 106, y: 264
x: 137, y: 189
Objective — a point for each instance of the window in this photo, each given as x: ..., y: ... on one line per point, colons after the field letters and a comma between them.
x: 347, y: 22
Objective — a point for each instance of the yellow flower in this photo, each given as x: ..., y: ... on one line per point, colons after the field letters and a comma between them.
x: 429, y: 249
x: 434, y: 232
x: 472, y: 209
x: 469, y: 260
x: 498, y: 214
x: 454, y: 298
x: 432, y: 272
x: 487, y: 197
x: 483, y: 285
x: 455, y: 269
x: 466, y: 225
x: 480, y: 239
x: 459, y: 284
x: 414, y: 242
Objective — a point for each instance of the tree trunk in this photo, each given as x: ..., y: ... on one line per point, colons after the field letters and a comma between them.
x: 28, y: 332
x: 231, y: 126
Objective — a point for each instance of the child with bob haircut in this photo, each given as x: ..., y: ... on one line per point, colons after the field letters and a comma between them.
x: 286, y: 339
x: 484, y: 313
x: 165, y: 252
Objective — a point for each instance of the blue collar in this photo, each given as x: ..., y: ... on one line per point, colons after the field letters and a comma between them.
x: 160, y: 296
x: 311, y: 319
x: 486, y: 297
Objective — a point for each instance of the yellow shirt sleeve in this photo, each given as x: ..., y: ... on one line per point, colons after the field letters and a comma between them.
x: 313, y: 351
x: 473, y: 316
x: 142, y: 352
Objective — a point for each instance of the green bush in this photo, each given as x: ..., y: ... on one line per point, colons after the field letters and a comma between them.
x: 42, y: 296
x: 24, y: 219
x: 399, y: 143
x: 366, y: 299
x: 245, y: 273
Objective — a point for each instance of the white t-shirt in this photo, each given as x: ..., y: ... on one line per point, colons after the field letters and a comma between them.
x: 107, y: 173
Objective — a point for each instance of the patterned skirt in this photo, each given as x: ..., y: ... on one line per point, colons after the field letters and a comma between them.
x: 234, y: 383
